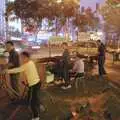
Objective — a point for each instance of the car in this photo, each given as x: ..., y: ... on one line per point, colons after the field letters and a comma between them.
x: 2, y: 49
x: 86, y: 49
x: 35, y: 46
x: 22, y: 46
x: 113, y: 47
x: 19, y: 46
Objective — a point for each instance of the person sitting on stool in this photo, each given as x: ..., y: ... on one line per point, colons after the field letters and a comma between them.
x: 78, y: 67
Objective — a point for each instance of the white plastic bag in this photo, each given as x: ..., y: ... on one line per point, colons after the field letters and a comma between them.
x: 49, y: 77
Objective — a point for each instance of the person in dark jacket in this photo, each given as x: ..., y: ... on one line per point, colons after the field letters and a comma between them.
x: 66, y: 60
x: 101, y: 59
x: 13, y: 62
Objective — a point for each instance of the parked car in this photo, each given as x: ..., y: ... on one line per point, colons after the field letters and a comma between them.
x: 88, y: 48
x: 22, y: 46
x: 2, y: 49
x: 19, y: 46
x: 113, y: 47
x: 35, y: 46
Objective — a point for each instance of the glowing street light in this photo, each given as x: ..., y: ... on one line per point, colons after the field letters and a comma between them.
x: 116, y: 6
x: 59, y: 1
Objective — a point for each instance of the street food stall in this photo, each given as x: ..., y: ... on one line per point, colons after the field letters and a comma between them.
x: 42, y: 66
x: 46, y: 66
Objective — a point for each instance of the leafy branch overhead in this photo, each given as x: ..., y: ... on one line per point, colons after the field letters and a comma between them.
x: 38, y: 9
x: 111, y: 14
x: 88, y: 18
x: 113, y: 2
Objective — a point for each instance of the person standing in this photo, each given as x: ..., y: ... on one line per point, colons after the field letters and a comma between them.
x: 30, y: 70
x: 101, y: 59
x: 66, y: 60
x: 13, y: 62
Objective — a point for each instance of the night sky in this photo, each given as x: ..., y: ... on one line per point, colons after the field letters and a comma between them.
x: 91, y: 3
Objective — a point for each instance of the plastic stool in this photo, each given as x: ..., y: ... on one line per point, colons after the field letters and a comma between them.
x: 78, y: 80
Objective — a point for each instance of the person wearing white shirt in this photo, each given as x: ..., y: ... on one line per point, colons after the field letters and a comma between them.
x: 78, y: 67
x: 33, y: 80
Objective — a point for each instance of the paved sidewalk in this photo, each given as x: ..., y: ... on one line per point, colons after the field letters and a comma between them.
x: 93, y: 93
x: 113, y: 71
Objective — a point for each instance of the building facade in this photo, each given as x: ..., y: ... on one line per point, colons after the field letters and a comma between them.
x: 2, y: 19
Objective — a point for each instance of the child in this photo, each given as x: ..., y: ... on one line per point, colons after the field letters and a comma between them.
x: 33, y: 79
x: 78, y: 67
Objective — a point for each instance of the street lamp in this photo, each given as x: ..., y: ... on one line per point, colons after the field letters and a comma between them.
x: 59, y: 1
x: 116, y: 6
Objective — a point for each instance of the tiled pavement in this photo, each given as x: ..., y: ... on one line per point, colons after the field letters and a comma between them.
x: 12, y: 112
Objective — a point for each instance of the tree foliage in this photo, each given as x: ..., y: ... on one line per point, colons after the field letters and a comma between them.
x: 88, y: 18
x: 111, y: 14
x: 113, y: 2
x: 33, y: 11
x: 38, y: 9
